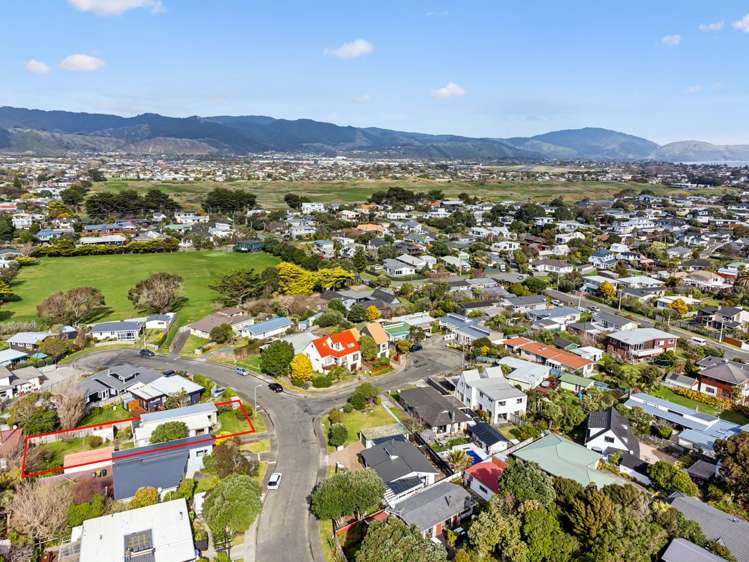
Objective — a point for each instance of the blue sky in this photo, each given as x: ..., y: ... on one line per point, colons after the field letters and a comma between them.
x: 667, y: 70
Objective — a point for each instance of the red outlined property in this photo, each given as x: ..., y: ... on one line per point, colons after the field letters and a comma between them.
x: 235, y: 403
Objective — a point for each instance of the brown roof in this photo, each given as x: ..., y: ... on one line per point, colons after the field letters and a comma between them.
x: 377, y: 332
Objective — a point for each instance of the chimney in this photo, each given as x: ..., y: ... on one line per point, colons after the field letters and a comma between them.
x: 391, y: 455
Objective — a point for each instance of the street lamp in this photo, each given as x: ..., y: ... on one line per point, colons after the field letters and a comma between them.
x: 254, y: 398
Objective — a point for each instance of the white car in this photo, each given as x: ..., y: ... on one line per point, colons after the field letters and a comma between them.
x: 274, y: 481
x: 698, y: 341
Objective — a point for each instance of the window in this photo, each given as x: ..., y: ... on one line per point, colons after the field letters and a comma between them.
x: 608, y: 439
x: 519, y: 401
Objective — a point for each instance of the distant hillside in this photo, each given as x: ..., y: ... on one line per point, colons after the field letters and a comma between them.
x: 51, y: 132
x: 698, y: 151
x: 587, y: 144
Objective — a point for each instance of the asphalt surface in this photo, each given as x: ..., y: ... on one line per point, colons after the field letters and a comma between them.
x: 573, y: 299
x: 286, y: 530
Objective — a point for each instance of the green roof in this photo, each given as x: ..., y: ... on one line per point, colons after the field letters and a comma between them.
x: 576, y: 380
x: 398, y: 329
x: 561, y: 457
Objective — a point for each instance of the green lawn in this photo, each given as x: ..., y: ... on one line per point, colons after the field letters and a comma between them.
x: 229, y: 422
x: 356, y: 421
x: 115, y: 275
x: 668, y: 394
x: 105, y: 414
x: 191, y: 344
x: 58, y: 450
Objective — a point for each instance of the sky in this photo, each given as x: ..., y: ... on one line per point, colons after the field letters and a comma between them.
x: 666, y: 70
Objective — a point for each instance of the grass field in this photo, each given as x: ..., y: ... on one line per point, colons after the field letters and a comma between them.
x: 270, y: 194
x: 356, y: 421
x: 115, y: 275
x: 729, y: 415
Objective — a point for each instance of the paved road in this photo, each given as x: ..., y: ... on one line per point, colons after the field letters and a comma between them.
x: 286, y: 531
x: 574, y: 299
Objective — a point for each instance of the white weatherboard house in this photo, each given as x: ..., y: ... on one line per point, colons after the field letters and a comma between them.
x: 488, y: 390
x: 200, y: 419
x: 156, y: 533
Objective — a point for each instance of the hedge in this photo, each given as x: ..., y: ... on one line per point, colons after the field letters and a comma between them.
x: 64, y: 250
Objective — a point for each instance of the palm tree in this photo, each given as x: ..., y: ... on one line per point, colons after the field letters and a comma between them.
x: 459, y: 460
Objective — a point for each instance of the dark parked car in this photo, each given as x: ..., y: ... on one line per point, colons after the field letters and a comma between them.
x: 416, y: 347
x: 275, y: 387
x: 146, y: 353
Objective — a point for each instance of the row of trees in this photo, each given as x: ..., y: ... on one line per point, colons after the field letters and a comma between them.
x: 109, y: 205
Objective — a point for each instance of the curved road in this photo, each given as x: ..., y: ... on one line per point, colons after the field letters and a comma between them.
x: 286, y: 531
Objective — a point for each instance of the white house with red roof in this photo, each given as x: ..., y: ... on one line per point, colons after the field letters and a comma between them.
x: 483, y: 478
x: 341, y: 349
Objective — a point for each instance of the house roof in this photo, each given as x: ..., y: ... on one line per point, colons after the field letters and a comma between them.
x: 729, y: 372
x: 549, y: 353
x: 163, y: 526
x: 486, y: 434
x: 561, y: 457
x: 277, y: 323
x: 8, y: 355
x: 153, y: 465
x: 166, y: 415
x: 393, y: 459
x: 488, y: 472
x: 376, y: 331
x: 640, y: 336
x: 682, y: 550
x: 28, y: 338
x: 611, y: 420
x: 432, y: 407
x: 491, y: 382
x: 166, y: 386
x: 433, y: 505
x: 731, y: 531
x: 337, y: 345
x: 117, y: 326
x: 84, y: 457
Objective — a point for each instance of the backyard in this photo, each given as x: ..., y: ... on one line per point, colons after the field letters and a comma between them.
x: 114, y: 275
x: 355, y: 421
x: 667, y: 394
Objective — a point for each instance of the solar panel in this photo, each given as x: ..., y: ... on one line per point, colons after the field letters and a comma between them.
x: 139, y: 546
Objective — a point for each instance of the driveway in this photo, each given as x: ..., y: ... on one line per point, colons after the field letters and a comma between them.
x: 286, y: 531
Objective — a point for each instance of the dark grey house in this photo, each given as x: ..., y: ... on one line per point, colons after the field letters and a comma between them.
x: 115, y: 381
x: 440, y: 414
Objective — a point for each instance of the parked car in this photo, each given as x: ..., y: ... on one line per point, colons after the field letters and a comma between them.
x: 416, y: 347
x: 275, y: 387
x: 242, y: 372
x: 698, y: 341
x: 169, y: 372
x: 274, y: 481
x: 146, y: 353
x: 217, y: 391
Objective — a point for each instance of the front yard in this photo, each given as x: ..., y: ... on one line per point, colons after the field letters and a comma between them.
x: 355, y: 421
x: 105, y: 414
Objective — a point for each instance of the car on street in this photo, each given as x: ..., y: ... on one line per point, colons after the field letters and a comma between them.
x: 698, y: 341
x: 242, y: 372
x: 274, y: 481
x: 275, y: 387
x: 146, y: 353
x: 217, y: 391
x: 416, y: 347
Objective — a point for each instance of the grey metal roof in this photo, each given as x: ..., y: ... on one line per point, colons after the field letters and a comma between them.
x: 682, y: 550
x: 394, y: 459
x: 434, y: 505
x: 120, y: 377
x: 486, y: 434
x: 433, y: 408
x: 152, y: 465
x: 206, y: 407
x: 612, y: 420
x: 273, y: 324
x: 118, y: 326
x: 730, y: 530
x: 641, y: 335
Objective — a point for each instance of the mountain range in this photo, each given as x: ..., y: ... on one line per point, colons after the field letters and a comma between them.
x: 56, y: 132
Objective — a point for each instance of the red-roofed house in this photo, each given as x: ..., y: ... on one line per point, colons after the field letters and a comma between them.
x: 10, y: 445
x: 558, y: 359
x: 341, y: 349
x: 483, y: 477
x: 90, y: 461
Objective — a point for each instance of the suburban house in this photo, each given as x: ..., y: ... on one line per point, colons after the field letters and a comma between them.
x: 558, y: 267
x: 723, y: 318
x: 128, y: 331
x: 613, y: 322
x: 437, y: 412
x: 336, y: 350
x: 489, y: 391
x: 556, y: 318
x: 249, y: 246
x: 93, y: 461
x: 488, y: 439
x: 375, y: 331
x: 728, y: 380
x: 462, y: 330
x: 699, y: 430
x: 371, y: 436
x: 717, y: 525
x: 156, y: 533
x: 158, y: 466
x: 439, y: 507
x: 11, y: 444
x: 402, y: 467
x: 558, y: 360
x: 266, y: 329
x: 608, y: 431
x: 398, y: 268
x: 20, y: 381
x: 525, y: 374
x: 682, y: 550
x: 640, y: 343
x: 575, y: 383
x: 483, y: 477
x: 153, y: 395
x: 559, y: 456
x: 115, y: 382
x: 9, y: 357
x: 237, y: 318
x: 27, y: 341
x: 200, y: 419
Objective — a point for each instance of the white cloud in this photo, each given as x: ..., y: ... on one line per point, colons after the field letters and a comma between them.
x: 696, y: 89
x: 742, y: 24
x: 671, y: 40
x: 115, y: 7
x: 440, y: 14
x: 37, y: 66
x: 363, y: 98
x: 82, y: 63
x: 714, y: 26
x: 351, y: 50
x: 450, y: 90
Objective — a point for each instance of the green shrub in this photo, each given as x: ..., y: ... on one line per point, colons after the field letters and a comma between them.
x: 348, y: 408
x: 337, y: 435
x: 94, y: 441
x: 335, y: 416
x: 322, y: 381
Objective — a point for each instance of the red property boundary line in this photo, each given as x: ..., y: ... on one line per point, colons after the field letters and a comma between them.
x: 208, y: 439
